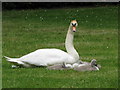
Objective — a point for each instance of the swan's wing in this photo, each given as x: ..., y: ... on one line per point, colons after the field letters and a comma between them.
x: 47, y: 57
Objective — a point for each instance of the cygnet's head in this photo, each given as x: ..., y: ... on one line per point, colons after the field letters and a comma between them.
x: 93, y: 62
x: 95, y: 65
x: 73, y: 25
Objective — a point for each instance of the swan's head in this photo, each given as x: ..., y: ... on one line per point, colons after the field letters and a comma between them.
x: 73, y: 25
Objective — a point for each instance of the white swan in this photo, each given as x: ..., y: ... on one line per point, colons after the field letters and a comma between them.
x: 45, y: 57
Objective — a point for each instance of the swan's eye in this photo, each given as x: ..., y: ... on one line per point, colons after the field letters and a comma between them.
x: 74, y: 24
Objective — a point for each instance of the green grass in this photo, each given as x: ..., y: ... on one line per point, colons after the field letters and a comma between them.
x: 25, y: 31
x: 0, y: 50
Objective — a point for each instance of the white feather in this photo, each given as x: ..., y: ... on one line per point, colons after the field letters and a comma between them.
x: 46, y: 57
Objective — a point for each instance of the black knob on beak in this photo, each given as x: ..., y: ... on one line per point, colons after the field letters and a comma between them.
x: 74, y: 24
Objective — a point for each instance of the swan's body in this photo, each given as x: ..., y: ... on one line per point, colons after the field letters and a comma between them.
x: 45, y: 57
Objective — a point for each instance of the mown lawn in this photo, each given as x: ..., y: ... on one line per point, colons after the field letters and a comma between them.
x: 25, y: 31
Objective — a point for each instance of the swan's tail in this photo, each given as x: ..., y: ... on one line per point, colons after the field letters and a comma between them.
x: 15, y: 61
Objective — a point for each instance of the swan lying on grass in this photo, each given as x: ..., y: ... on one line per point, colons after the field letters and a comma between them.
x: 85, y: 66
x: 45, y: 57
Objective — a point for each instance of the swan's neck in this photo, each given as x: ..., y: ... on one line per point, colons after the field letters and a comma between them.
x: 69, y: 44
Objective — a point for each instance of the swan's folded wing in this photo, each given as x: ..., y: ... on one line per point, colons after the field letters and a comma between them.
x: 47, y: 57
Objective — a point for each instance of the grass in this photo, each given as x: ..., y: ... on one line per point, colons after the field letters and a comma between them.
x: 0, y: 50
x: 25, y: 31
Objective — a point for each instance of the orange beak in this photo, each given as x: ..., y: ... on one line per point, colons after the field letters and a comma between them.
x: 74, y: 29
